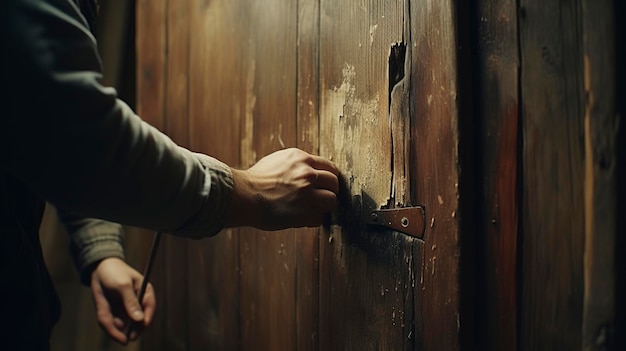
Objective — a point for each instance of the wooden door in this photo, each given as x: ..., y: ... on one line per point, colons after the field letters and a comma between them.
x: 389, y: 119
x: 349, y: 81
x: 499, y: 118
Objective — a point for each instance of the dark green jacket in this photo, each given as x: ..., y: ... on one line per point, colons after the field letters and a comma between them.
x: 67, y: 139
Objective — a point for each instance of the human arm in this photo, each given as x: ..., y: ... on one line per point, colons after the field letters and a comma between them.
x: 81, y: 148
x: 96, y: 247
x: 76, y: 144
x: 288, y: 188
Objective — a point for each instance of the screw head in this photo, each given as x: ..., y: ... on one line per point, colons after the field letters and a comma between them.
x: 404, y: 221
x: 374, y: 216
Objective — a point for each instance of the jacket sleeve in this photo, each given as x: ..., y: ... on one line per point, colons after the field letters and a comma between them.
x: 91, y: 240
x: 84, y: 150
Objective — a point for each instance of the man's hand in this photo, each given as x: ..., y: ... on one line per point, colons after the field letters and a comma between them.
x: 288, y: 188
x: 114, y: 286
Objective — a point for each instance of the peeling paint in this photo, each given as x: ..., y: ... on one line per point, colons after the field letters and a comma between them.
x: 280, y: 139
x: 372, y: 33
x: 398, y: 67
x: 356, y: 118
x: 248, y: 154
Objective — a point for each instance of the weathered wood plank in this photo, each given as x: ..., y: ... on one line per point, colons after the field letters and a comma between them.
x: 151, y: 46
x: 601, y: 122
x: 366, y: 275
x: 268, y: 259
x: 307, y: 240
x: 497, y: 92
x: 150, y: 49
x: 215, y: 107
x: 435, y: 172
x: 175, y: 302
x: 620, y: 240
x: 553, y: 222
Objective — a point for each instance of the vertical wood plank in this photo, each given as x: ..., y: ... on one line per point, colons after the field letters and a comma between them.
x: 151, y: 60
x: 435, y: 172
x: 497, y: 107
x: 307, y: 240
x: 215, y: 107
x: 620, y: 240
x: 366, y: 275
x: 268, y: 259
x: 553, y: 173
x: 601, y: 125
x: 174, y: 303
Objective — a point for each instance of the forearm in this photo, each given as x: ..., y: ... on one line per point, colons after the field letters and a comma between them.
x: 81, y: 148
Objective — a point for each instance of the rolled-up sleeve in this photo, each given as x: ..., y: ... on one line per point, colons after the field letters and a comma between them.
x: 84, y: 150
x: 92, y: 240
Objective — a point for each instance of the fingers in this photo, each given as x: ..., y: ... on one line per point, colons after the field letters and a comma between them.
x: 134, y: 328
x: 111, y: 325
x: 326, y: 186
x: 321, y: 163
x: 118, y: 323
x: 114, y: 288
x: 327, y: 180
x: 324, y: 200
x: 131, y: 304
x: 149, y: 305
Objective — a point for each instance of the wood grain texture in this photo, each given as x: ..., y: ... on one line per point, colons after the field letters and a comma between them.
x: 497, y: 96
x: 620, y: 240
x: 268, y: 259
x: 367, y: 276
x: 601, y: 126
x: 435, y: 170
x: 377, y: 87
x: 151, y: 48
x: 151, y: 82
x: 216, y: 111
x: 174, y: 302
x: 307, y: 134
x: 553, y: 221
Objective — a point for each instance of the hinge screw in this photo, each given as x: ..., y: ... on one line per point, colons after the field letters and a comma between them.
x: 404, y: 221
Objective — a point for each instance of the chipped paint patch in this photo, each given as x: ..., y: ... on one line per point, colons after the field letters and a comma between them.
x: 372, y: 33
x: 278, y: 136
x: 248, y: 154
x: 352, y: 121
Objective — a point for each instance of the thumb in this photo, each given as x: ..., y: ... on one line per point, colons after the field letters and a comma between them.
x: 131, y: 304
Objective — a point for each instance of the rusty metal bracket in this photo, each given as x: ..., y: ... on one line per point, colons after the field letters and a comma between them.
x: 407, y: 220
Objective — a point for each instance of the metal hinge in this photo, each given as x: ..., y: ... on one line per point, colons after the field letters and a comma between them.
x: 407, y: 220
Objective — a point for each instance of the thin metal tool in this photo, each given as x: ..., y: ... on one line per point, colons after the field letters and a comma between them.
x: 146, y: 278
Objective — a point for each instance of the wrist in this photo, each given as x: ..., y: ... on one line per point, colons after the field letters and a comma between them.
x: 242, y: 210
x: 93, y: 267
